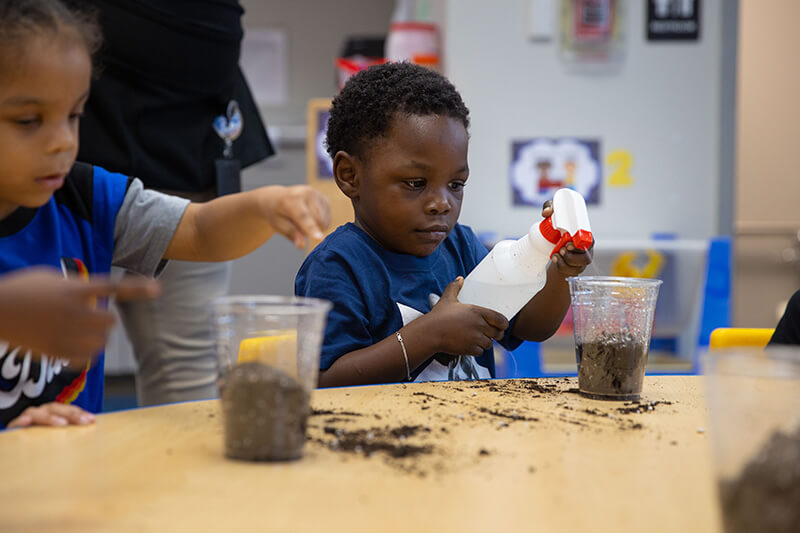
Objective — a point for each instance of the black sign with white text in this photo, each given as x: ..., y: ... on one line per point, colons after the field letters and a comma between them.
x: 673, y: 20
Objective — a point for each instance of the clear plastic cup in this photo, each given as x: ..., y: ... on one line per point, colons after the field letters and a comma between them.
x: 269, y: 349
x: 613, y: 320
x: 754, y: 408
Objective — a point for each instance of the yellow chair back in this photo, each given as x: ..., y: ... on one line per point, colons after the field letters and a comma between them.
x: 739, y: 337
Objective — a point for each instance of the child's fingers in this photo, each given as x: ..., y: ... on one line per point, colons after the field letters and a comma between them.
x: 576, y: 259
x: 22, y: 421
x: 475, y: 350
x: 41, y: 416
x: 566, y: 269
x: 286, y: 227
x: 301, y: 216
x: 547, y: 208
x: 72, y: 414
x: 86, y: 347
x: 450, y: 292
x: 321, y: 209
x: 494, y: 333
x: 494, y: 319
x: 129, y: 288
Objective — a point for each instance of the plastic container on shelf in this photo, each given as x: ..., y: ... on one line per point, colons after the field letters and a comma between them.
x: 417, y: 42
x: 359, y: 53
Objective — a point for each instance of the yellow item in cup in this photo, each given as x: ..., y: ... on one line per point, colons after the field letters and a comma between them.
x: 278, y: 350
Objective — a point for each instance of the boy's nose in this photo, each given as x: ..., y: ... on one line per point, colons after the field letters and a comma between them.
x: 64, y: 138
x: 438, y: 203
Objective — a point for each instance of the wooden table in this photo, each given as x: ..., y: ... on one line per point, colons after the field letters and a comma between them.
x: 492, y: 456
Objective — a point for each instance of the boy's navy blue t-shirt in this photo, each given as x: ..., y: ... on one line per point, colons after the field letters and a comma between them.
x: 376, y: 292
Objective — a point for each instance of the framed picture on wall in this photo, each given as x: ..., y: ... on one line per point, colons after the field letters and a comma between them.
x: 592, y: 32
x: 541, y: 166
x: 319, y: 165
x: 318, y: 113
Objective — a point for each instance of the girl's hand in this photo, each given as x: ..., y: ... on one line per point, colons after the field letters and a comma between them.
x: 297, y: 212
x: 569, y: 261
x: 51, y: 315
x: 52, y: 414
x: 464, y: 329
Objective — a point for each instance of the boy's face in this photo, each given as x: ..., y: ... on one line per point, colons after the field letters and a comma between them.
x: 42, y: 95
x: 409, y: 190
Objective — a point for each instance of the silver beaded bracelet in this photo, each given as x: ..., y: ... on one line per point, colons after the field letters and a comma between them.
x: 405, y: 354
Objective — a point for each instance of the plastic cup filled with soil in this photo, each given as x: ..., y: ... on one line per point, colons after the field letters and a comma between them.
x: 753, y: 400
x: 268, y: 349
x: 613, y: 319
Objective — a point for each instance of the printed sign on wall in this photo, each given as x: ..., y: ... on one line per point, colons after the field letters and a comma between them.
x: 541, y: 166
x: 673, y: 20
x: 324, y: 161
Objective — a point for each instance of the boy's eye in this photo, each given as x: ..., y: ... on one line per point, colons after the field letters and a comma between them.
x: 76, y: 116
x: 27, y: 121
x: 415, y: 183
x: 457, y: 185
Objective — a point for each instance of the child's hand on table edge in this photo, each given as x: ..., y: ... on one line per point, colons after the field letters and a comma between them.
x: 52, y: 414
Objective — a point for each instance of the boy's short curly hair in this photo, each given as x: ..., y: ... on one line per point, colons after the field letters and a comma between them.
x: 364, y: 108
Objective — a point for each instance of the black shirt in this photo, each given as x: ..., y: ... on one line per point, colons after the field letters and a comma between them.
x: 167, y: 68
x: 788, y: 329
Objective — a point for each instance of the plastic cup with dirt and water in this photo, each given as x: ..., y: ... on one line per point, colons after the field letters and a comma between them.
x: 269, y: 349
x: 613, y: 321
x: 754, y: 410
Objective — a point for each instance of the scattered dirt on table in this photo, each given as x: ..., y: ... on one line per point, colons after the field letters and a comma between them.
x: 503, y: 404
x: 386, y: 440
x: 641, y: 407
x: 323, y: 412
x: 513, y: 415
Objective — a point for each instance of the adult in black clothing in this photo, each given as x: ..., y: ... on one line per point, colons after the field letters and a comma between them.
x: 167, y: 70
x: 788, y: 329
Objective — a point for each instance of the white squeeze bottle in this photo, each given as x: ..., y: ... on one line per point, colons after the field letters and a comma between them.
x: 514, y: 271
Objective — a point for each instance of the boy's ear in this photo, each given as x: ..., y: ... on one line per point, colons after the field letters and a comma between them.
x: 345, y: 172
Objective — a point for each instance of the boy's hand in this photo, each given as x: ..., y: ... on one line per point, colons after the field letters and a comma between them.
x: 569, y: 261
x: 464, y: 329
x: 48, y: 314
x: 296, y: 212
x: 52, y: 414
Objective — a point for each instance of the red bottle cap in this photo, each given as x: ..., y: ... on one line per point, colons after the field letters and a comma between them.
x: 548, y: 231
x: 582, y: 239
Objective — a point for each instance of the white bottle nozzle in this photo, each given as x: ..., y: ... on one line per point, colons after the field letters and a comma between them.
x: 569, y: 221
x: 569, y: 212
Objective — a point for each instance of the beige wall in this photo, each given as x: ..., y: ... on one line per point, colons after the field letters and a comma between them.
x: 767, y: 165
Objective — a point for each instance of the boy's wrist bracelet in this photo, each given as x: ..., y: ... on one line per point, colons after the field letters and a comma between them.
x: 405, y: 354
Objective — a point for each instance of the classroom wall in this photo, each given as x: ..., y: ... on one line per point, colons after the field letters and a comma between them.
x: 664, y: 104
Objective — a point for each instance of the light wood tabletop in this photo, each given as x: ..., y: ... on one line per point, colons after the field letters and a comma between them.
x: 491, y: 456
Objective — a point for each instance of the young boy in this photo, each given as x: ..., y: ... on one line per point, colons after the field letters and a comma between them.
x: 82, y: 219
x: 398, y: 137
